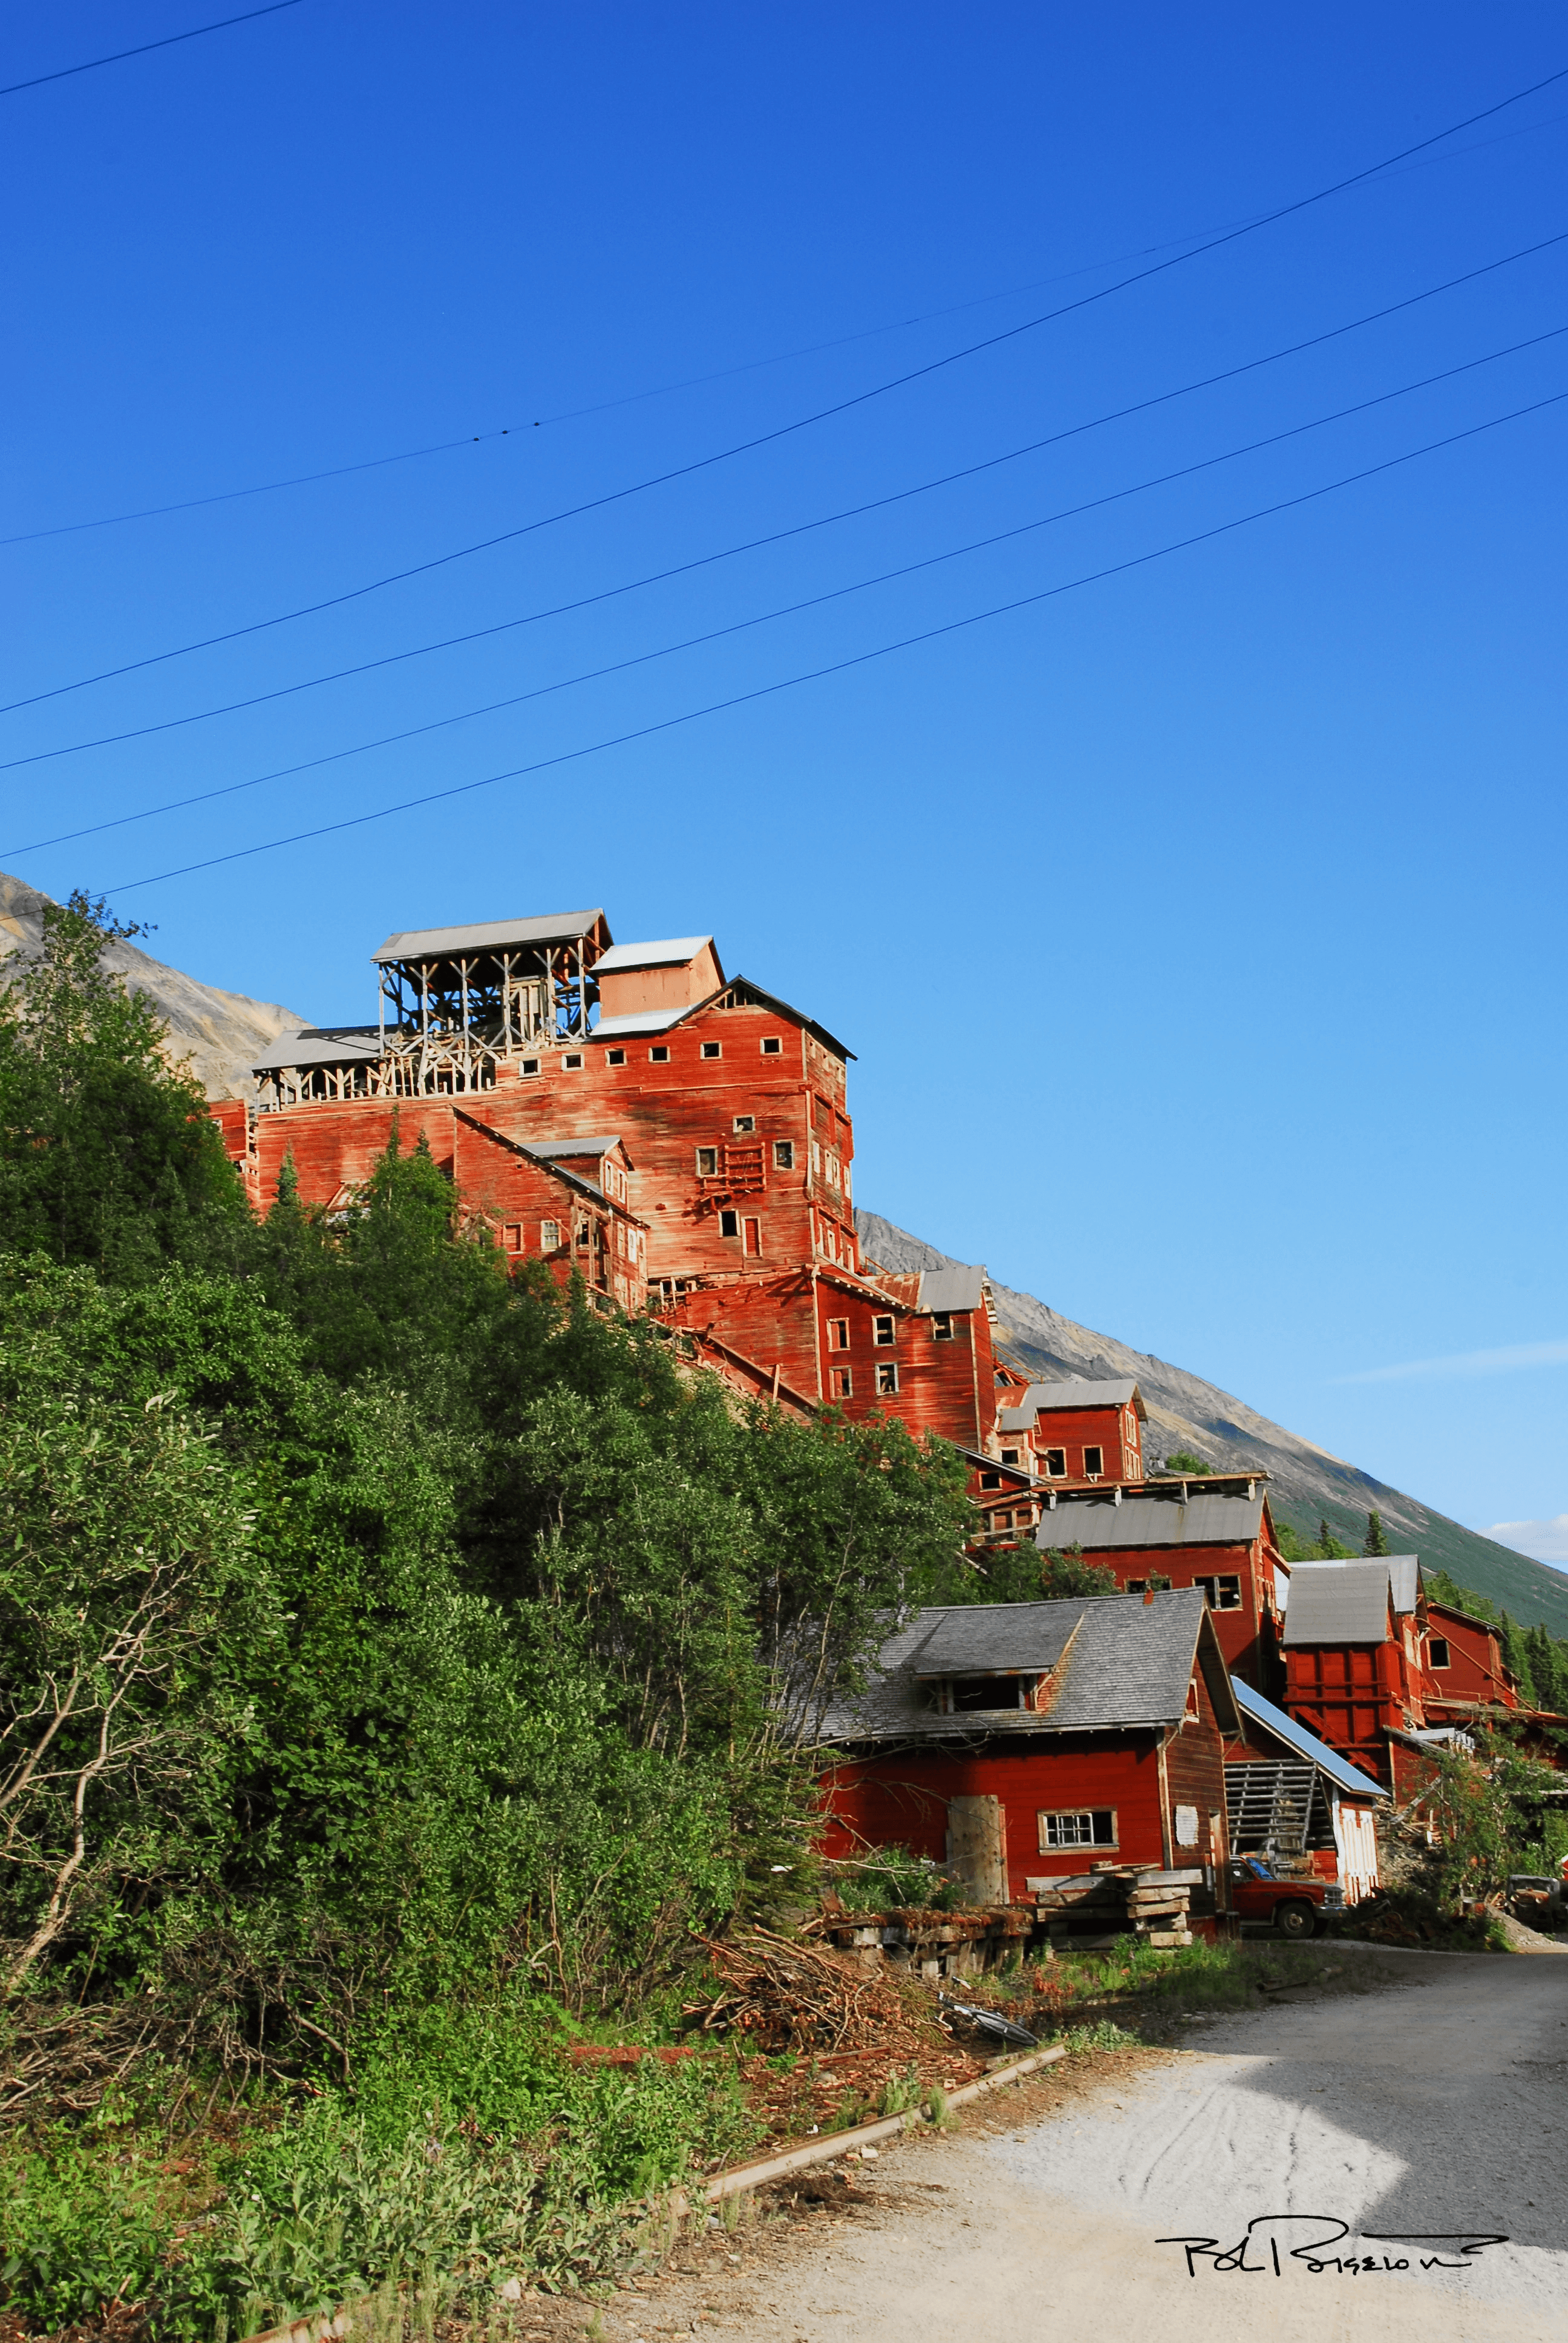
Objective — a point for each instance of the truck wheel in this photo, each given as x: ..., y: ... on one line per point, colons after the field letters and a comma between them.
x: 1295, y: 1920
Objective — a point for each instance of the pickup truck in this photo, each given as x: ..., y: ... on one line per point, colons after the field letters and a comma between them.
x: 1295, y: 1907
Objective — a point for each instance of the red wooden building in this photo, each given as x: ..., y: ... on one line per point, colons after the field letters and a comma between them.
x: 1074, y: 1431
x: 1097, y: 1727
x: 1293, y: 1800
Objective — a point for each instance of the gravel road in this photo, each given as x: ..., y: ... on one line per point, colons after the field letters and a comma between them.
x: 1438, y: 2106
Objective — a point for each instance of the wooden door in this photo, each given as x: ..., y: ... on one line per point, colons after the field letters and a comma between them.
x: 977, y: 1847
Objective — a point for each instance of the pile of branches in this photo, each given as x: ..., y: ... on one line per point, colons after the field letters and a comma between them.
x: 775, y: 1995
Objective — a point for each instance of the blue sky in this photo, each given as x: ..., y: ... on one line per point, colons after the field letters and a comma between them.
x: 1198, y: 929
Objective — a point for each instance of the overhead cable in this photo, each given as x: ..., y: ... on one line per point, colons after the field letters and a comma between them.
x: 786, y: 430
x: 841, y: 666
x: 775, y: 536
x: 170, y: 40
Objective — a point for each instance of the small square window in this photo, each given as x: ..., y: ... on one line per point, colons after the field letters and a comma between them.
x: 882, y: 1333
x: 572, y: 1063
x: 708, y: 1162
x: 772, y: 1047
x: 991, y: 1480
x: 1009, y: 1457
x: 843, y: 1383
x: 1055, y: 1463
x: 549, y: 1235
x: 585, y: 1234
x: 729, y: 1224
x: 887, y: 1377
x: 614, y: 1057
x: 1437, y: 1652
x: 1138, y: 1586
x: 838, y: 1334
x: 1093, y: 1463
x: 745, y: 1123
x: 529, y: 1066
x: 783, y: 1155
x: 942, y: 1326
x: 660, y: 1054
x: 712, y: 1048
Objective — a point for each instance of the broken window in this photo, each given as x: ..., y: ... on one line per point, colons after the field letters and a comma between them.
x: 1055, y: 1463
x: 887, y: 1378
x: 729, y: 1224
x: 712, y: 1048
x: 772, y: 1047
x: 708, y: 1162
x: 942, y: 1326
x: 1093, y: 1463
x: 660, y: 1054
x: 549, y: 1235
x: 843, y: 1382
x: 745, y: 1123
x: 1086, y: 1827
x: 1009, y: 1457
x: 1221, y: 1593
x: 1437, y: 1652
x: 783, y: 1155
x: 882, y: 1333
x: 838, y: 1334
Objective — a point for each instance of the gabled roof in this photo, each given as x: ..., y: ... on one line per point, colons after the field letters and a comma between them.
x: 1074, y: 1394
x: 955, y: 1288
x: 1338, y: 1603
x: 981, y: 1638
x: 321, y: 1045
x: 546, y: 1153
x: 598, y: 1146
x: 1285, y: 1728
x: 490, y: 935
x: 1149, y: 1513
x: 674, y: 951
x: 1126, y: 1664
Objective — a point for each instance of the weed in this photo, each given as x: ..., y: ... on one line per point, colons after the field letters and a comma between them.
x: 899, y: 2093
x: 938, y: 2110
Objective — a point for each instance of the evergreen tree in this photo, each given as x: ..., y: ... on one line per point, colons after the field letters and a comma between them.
x: 1375, y: 1542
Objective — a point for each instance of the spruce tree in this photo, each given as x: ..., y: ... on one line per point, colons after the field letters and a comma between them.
x: 1376, y: 1542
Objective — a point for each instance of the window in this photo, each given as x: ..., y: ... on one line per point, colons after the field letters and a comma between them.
x: 512, y: 1238
x: 942, y: 1326
x: 1088, y: 1826
x: 783, y: 1155
x: 1437, y: 1652
x: 660, y: 1054
x: 729, y: 1224
x: 1221, y: 1593
x: 843, y: 1383
x: 1055, y: 1463
x: 991, y: 1480
x: 1093, y: 1463
x: 708, y: 1162
x: 712, y: 1048
x: 572, y: 1063
x: 584, y: 1235
x: 745, y: 1123
x: 772, y: 1047
x: 1009, y: 1457
x: 529, y: 1066
x: 969, y: 1692
x: 549, y: 1235
x: 887, y: 1378
x: 1138, y: 1586
x: 614, y: 1057
x: 838, y: 1334
x: 882, y: 1333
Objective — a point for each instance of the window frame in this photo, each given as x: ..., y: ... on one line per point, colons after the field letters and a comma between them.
x: 527, y: 1069
x: 571, y: 1062
x: 843, y: 1382
x: 1054, y: 1472
x: 838, y: 1334
x: 1436, y: 1644
x: 712, y: 1048
x: 887, y: 1379
x: 942, y: 1327
x: 744, y: 1125
x: 549, y: 1236
x: 783, y: 1155
x: 1067, y: 1845
x: 1095, y: 1471
x: 614, y: 1057
x: 772, y: 1045
x: 728, y: 1223
x: 881, y: 1340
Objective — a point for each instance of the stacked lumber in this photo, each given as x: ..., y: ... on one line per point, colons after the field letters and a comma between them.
x: 1091, y: 1909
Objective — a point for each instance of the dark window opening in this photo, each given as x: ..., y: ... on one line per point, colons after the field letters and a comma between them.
x: 942, y: 1326
x: 1138, y: 1586
x: 838, y: 1334
x: 729, y: 1224
x: 784, y: 1155
x: 1009, y: 1457
x: 772, y: 1047
x: 1093, y: 1463
x: 1055, y: 1463
x: 843, y: 1382
x: 887, y: 1378
x: 530, y: 1066
x: 882, y: 1333
x: 1437, y: 1652
x: 991, y: 1480
x: 745, y: 1123
x: 708, y: 1162
x: 969, y: 1692
x: 660, y: 1054
x: 614, y: 1057
x: 712, y: 1048
x: 1221, y: 1593
x: 573, y: 1061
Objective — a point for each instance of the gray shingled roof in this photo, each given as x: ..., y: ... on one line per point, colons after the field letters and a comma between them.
x: 1075, y: 1393
x: 1338, y: 1603
x: 976, y: 1638
x: 1095, y: 1521
x: 1127, y: 1662
x: 950, y: 1289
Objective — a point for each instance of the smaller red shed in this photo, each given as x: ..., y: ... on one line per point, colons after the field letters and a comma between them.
x: 1075, y: 1732
x: 1076, y: 1430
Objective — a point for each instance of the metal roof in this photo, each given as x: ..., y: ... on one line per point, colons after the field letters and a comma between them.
x: 1404, y: 1578
x: 1296, y: 1736
x: 1092, y: 1518
x: 1075, y: 1393
x: 675, y: 952
x: 643, y: 1021
x: 597, y: 1146
x: 490, y: 935
x: 1126, y: 1663
x: 950, y: 1289
x: 983, y: 1637
x: 1338, y: 1603
x: 321, y: 1045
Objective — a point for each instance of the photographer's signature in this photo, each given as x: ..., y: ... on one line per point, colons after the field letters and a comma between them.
x: 1273, y: 2243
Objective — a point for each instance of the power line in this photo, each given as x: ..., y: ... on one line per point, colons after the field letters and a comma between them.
x: 691, y: 382
x: 170, y: 41
x: 776, y: 536
x: 786, y: 430
x: 789, y: 609
x: 840, y: 667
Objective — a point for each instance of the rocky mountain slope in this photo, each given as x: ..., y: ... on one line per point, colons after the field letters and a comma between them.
x: 1306, y: 1484
x: 218, y: 1033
